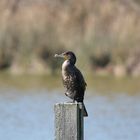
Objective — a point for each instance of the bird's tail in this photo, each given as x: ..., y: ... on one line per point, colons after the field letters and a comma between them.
x: 85, y: 114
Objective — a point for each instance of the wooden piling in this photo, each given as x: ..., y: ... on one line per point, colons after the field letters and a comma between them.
x: 69, y: 121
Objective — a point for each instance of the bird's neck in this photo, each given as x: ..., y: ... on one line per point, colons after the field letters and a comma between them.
x: 66, y: 67
x: 66, y: 64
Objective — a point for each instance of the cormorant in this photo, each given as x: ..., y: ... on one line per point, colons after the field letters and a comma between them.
x: 72, y: 78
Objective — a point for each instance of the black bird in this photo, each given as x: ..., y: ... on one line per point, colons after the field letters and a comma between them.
x: 72, y: 78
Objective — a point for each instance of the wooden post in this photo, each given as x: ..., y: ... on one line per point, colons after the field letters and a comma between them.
x: 69, y: 121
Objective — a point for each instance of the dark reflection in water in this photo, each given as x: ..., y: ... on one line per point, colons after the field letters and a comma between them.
x: 28, y: 115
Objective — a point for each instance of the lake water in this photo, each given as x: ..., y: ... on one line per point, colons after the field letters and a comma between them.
x: 28, y: 115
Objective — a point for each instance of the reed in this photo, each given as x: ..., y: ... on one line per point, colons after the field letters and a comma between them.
x: 30, y: 33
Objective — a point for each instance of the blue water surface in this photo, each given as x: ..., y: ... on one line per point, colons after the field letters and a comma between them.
x: 29, y: 115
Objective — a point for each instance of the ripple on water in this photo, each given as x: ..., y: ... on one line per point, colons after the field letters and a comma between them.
x: 29, y: 115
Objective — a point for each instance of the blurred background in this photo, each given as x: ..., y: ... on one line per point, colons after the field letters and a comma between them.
x: 105, y: 36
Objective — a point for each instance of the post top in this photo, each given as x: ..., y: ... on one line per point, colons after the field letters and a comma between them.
x: 68, y: 103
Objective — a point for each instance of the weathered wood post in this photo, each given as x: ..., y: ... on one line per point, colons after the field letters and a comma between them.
x: 69, y: 121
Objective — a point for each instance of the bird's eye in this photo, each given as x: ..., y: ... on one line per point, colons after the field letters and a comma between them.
x: 67, y: 53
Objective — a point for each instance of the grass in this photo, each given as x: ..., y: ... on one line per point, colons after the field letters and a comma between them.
x: 111, y: 84
x: 29, y: 81
x: 102, y: 84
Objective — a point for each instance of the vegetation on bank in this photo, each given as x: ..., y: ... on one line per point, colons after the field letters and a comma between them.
x: 103, y: 34
x: 97, y: 83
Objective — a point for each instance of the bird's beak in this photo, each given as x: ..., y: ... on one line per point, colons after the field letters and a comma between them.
x: 61, y: 55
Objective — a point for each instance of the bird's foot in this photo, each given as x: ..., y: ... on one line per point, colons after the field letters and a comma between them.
x: 73, y: 101
x: 70, y: 102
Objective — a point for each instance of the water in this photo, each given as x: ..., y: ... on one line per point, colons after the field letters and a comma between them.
x: 28, y: 115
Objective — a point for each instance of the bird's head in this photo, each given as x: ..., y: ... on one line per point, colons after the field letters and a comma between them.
x: 67, y: 56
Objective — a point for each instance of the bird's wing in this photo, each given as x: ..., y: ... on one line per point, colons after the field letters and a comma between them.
x: 80, y: 79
